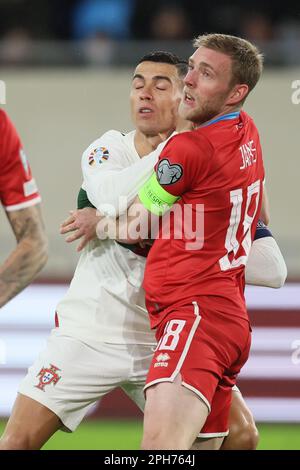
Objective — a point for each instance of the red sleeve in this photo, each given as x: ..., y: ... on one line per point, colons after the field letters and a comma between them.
x: 183, y: 162
x: 17, y: 186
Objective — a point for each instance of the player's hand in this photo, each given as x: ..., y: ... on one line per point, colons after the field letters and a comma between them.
x: 82, y: 225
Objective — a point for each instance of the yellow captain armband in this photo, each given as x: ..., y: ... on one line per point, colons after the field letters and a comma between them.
x: 155, y: 198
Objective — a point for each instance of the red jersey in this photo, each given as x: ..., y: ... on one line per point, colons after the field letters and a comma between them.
x: 217, y: 171
x: 17, y: 187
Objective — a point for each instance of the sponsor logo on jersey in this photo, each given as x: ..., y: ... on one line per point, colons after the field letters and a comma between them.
x: 168, y: 173
x: 161, y: 360
x: 48, y: 376
x: 24, y: 162
x: 98, y: 155
x: 260, y: 224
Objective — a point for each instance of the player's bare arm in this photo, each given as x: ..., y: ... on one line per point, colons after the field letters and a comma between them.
x: 136, y: 225
x: 29, y: 256
x: 132, y: 227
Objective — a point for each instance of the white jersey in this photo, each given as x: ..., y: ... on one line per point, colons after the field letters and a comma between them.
x: 105, y: 301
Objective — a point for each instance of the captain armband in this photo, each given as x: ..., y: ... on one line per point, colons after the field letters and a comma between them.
x: 155, y: 198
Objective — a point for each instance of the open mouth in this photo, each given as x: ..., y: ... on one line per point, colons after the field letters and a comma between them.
x: 188, y: 98
x: 145, y: 110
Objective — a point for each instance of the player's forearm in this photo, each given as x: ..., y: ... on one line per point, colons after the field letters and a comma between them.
x: 21, y: 267
x: 29, y: 256
x: 136, y: 225
x: 112, y: 192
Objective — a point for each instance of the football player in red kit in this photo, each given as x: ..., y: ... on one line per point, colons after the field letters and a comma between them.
x: 21, y: 201
x: 194, y: 286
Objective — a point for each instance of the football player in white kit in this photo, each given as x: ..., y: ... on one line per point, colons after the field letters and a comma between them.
x: 102, y: 339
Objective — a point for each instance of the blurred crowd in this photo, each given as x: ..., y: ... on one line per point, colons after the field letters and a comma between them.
x: 103, y: 21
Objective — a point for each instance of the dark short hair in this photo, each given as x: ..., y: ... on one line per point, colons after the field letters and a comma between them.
x: 165, y: 57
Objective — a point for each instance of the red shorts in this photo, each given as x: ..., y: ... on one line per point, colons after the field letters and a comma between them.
x: 208, y: 348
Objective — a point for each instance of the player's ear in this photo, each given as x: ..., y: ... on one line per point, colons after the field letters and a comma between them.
x: 238, y: 94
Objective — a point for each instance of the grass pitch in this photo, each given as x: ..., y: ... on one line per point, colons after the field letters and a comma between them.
x: 126, y: 435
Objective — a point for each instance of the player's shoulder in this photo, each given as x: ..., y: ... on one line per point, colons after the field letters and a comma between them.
x: 110, y: 139
x: 191, y: 141
x: 10, y: 141
x: 246, y: 117
x: 113, y: 135
x: 3, y: 114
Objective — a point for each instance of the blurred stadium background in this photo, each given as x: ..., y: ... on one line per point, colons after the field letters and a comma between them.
x: 67, y: 66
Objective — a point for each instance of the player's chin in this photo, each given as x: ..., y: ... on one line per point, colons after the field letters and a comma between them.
x: 186, y: 113
x: 151, y: 128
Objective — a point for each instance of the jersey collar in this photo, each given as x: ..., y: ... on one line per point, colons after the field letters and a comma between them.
x: 225, y: 117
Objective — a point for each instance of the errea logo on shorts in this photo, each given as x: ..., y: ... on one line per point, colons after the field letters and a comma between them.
x: 161, y: 360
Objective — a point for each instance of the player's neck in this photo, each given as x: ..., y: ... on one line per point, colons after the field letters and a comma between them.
x: 145, y: 144
x: 227, y: 110
x: 183, y: 125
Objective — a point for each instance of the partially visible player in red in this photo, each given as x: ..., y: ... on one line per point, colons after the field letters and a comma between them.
x: 194, y: 286
x: 21, y: 201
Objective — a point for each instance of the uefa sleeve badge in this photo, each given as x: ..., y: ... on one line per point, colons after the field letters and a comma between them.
x: 98, y: 156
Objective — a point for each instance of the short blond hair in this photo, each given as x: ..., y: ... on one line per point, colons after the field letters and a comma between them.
x: 247, y: 60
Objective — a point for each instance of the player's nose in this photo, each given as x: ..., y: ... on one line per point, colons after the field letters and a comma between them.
x: 189, y: 79
x: 146, y: 94
x: 146, y: 97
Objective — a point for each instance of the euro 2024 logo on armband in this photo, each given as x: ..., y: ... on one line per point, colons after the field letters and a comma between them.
x: 48, y: 376
x: 98, y: 156
x: 296, y: 94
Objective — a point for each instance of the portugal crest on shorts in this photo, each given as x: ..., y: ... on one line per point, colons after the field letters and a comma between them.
x: 48, y: 376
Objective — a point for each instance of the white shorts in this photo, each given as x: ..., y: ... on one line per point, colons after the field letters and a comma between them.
x: 69, y: 376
